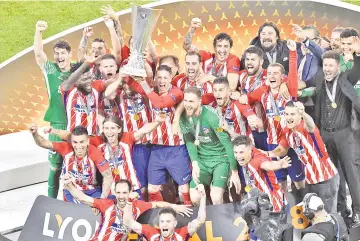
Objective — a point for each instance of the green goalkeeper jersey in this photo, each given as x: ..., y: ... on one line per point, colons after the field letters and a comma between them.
x: 53, y: 79
x: 214, y: 143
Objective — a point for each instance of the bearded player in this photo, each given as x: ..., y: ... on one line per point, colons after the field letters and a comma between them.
x: 111, y: 225
x: 209, y: 147
x: 167, y: 230
x: 54, y: 74
x: 221, y: 63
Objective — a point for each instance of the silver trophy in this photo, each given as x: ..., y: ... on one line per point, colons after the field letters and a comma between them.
x: 143, y: 24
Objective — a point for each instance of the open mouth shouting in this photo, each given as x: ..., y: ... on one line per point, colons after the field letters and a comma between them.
x: 61, y: 62
x: 191, y: 73
x: 250, y: 69
x: 222, y: 55
x: 111, y: 137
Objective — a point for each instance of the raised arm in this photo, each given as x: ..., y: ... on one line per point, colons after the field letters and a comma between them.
x: 40, y: 56
x: 115, y: 41
x: 308, y: 120
x: 195, y: 224
x: 81, y: 52
x: 70, y: 82
x: 148, y: 127
x: 152, y: 51
x: 108, y: 10
x: 276, y: 165
x: 76, y: 193
x: 165, y: 101
x: 107, y: 182
x: 128, y: 218
x: 188, y: 46
x: 63, y: 134
x: 278, y: 151
x: 292, y: 76
x: 39, y: 140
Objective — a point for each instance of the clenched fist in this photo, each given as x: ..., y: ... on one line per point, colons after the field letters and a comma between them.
x: 41, y: 26
x: 195, y: 23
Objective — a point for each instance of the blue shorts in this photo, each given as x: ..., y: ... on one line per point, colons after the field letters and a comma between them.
x: 260, y: 139
x: 295, y: 171
x: 94, y: 193
x: 174, y: 159
x: 141, y: 156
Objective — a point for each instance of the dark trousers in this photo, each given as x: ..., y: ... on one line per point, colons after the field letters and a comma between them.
x: 340, y: 146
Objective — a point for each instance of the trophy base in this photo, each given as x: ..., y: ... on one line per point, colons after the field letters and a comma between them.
x: 133, y: 71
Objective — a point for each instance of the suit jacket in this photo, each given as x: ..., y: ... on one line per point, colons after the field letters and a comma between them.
x: 346, y: 82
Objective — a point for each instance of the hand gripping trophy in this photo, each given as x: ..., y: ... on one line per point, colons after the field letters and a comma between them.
x: 143, y: 24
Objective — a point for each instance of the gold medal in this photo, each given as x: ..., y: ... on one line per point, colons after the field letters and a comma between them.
x: 247, y: 188
x: 197, y: 142
x: 277, y: 118
x: 219, y: 129
x: 136, y: 117
x: 116, y: 171
x: 333, y: 105
x: 162, y: 114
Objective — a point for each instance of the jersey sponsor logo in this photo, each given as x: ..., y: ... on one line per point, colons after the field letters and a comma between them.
x: 118, y: 227
x: 271, y: 113
x: 77, y: 175
x: 228, y: 113
x: 206, y: 130
x: 82, y: 108
x: 204, y: 139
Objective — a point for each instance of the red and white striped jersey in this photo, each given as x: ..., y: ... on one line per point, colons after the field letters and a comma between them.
x: 152, y: 234
x: 265, y: 181
x: 312, y: 152
x: 182, y: 82
x: 235, y: 115
x: 165, y: 103
x: 135, y: 113
x: 111, y: 227
x: 274, y: 106
x: 248, y: 84
x: 83, y: 170
x: 119, y: 158
x: 231, y: 65
x: 82, y: 109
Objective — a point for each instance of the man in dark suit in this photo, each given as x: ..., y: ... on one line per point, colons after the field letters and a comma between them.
x: 335, y: 96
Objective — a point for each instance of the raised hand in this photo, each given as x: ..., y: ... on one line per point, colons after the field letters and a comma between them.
x: 243, y: 99
x: 195, y: 23
x: 67, y: 180
x: 291, y: 44
x: 108, y: 22
x: 298, y: 31
x: 182, y: 210
x: 109, y: 11
x: 300, y: 107
x: 88, y: 32
x: 41, y: 26
x: 285, y: 162
x: 90, y: 59
x: 33, y: 128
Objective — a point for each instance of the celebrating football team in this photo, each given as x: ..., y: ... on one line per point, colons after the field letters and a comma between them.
x: 282, y: 117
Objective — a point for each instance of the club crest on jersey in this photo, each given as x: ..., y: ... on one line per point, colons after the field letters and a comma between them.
x: 206, y: 130
x: 299, y: 150
x: 228, y: 113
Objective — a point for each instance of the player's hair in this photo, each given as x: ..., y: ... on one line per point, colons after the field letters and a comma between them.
x: 166, y: 211
x: 62, y: 44
x: 79, y: 131
x: 332, y: 54
x: 241, y: 140
x: 312, y: 27
x: 270, y: 24
x: 108, y: 56
x: 290, y: 104
x: 349, y: 32
x: 338, y: 30
x: 193, y: 90
x: 99, y: 40
x: 173, y: 58
x: 117, y: 121
x: 221, y: 80
x: 280, y: 66
x: 325, y: 39
x: 194, y: 53
x: 165, y: 68
x: 124, y: 181
x: 77, y: 65
x: 255, y: 50
x: 222, y: 36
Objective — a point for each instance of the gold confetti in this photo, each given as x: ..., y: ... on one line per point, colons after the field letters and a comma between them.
x: 231, y: 5
x: 246, y: 32
x: 27, y: 110
x: 285, y: 3
x: 179, y: 36
x: 125, y: 34
x: 6, y: 122
x: 163, y: 20
x: 210, y: 19
x: 303, y: 23
x: 16, y: 123
x: 242, y: 24
x: 216, y: 27
x: 198, y: 40
x: 254, y: 23
x: 163, y: 50
x: 17, y: 92
x: 37, y: 87
x: 245, y: 5
x: 203, y: 10
x: 177, y: 16
x: 314, y: 24
x: 272, y: 3
x: 237, y: 15
x: 235, y: 33
x: 159, y: 32
x: 190, y: 13
x: 167, y: 39
x: 325, y: 16
x: 217, y: 8
x: 229, y: 25
x: 185, y: 25
x: 11, y: 100
x: 298, y: 4
x: 29, y: 94
x: 325, y: 26
x: 5, y: 107
x: 301, y: 13
x: 172, y: 28
x: 223, y: 16
x: 288, y: 13
x: 204, y: 30
x: 279, y: 22
x: 282, y: 31
x: 312, y: 14
x: 34, y: 103
x: 175, y: 46
x: 10, y: 115
x: 250, y: 14
x: 276, y: 13
x: 262, y: 13
x: 258, y: 3
x: 16, y: 108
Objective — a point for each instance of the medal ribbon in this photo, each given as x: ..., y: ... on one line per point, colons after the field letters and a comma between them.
x: 133, y: 104
x: 82, y: 101
x: 113, y: 156
x: 213, y: 70
x: 272, y: 59
x: 274, y: 105
x: 76, y: 164
x: 333, y: 91
x: 256, y: 83
x: 197, y: 129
